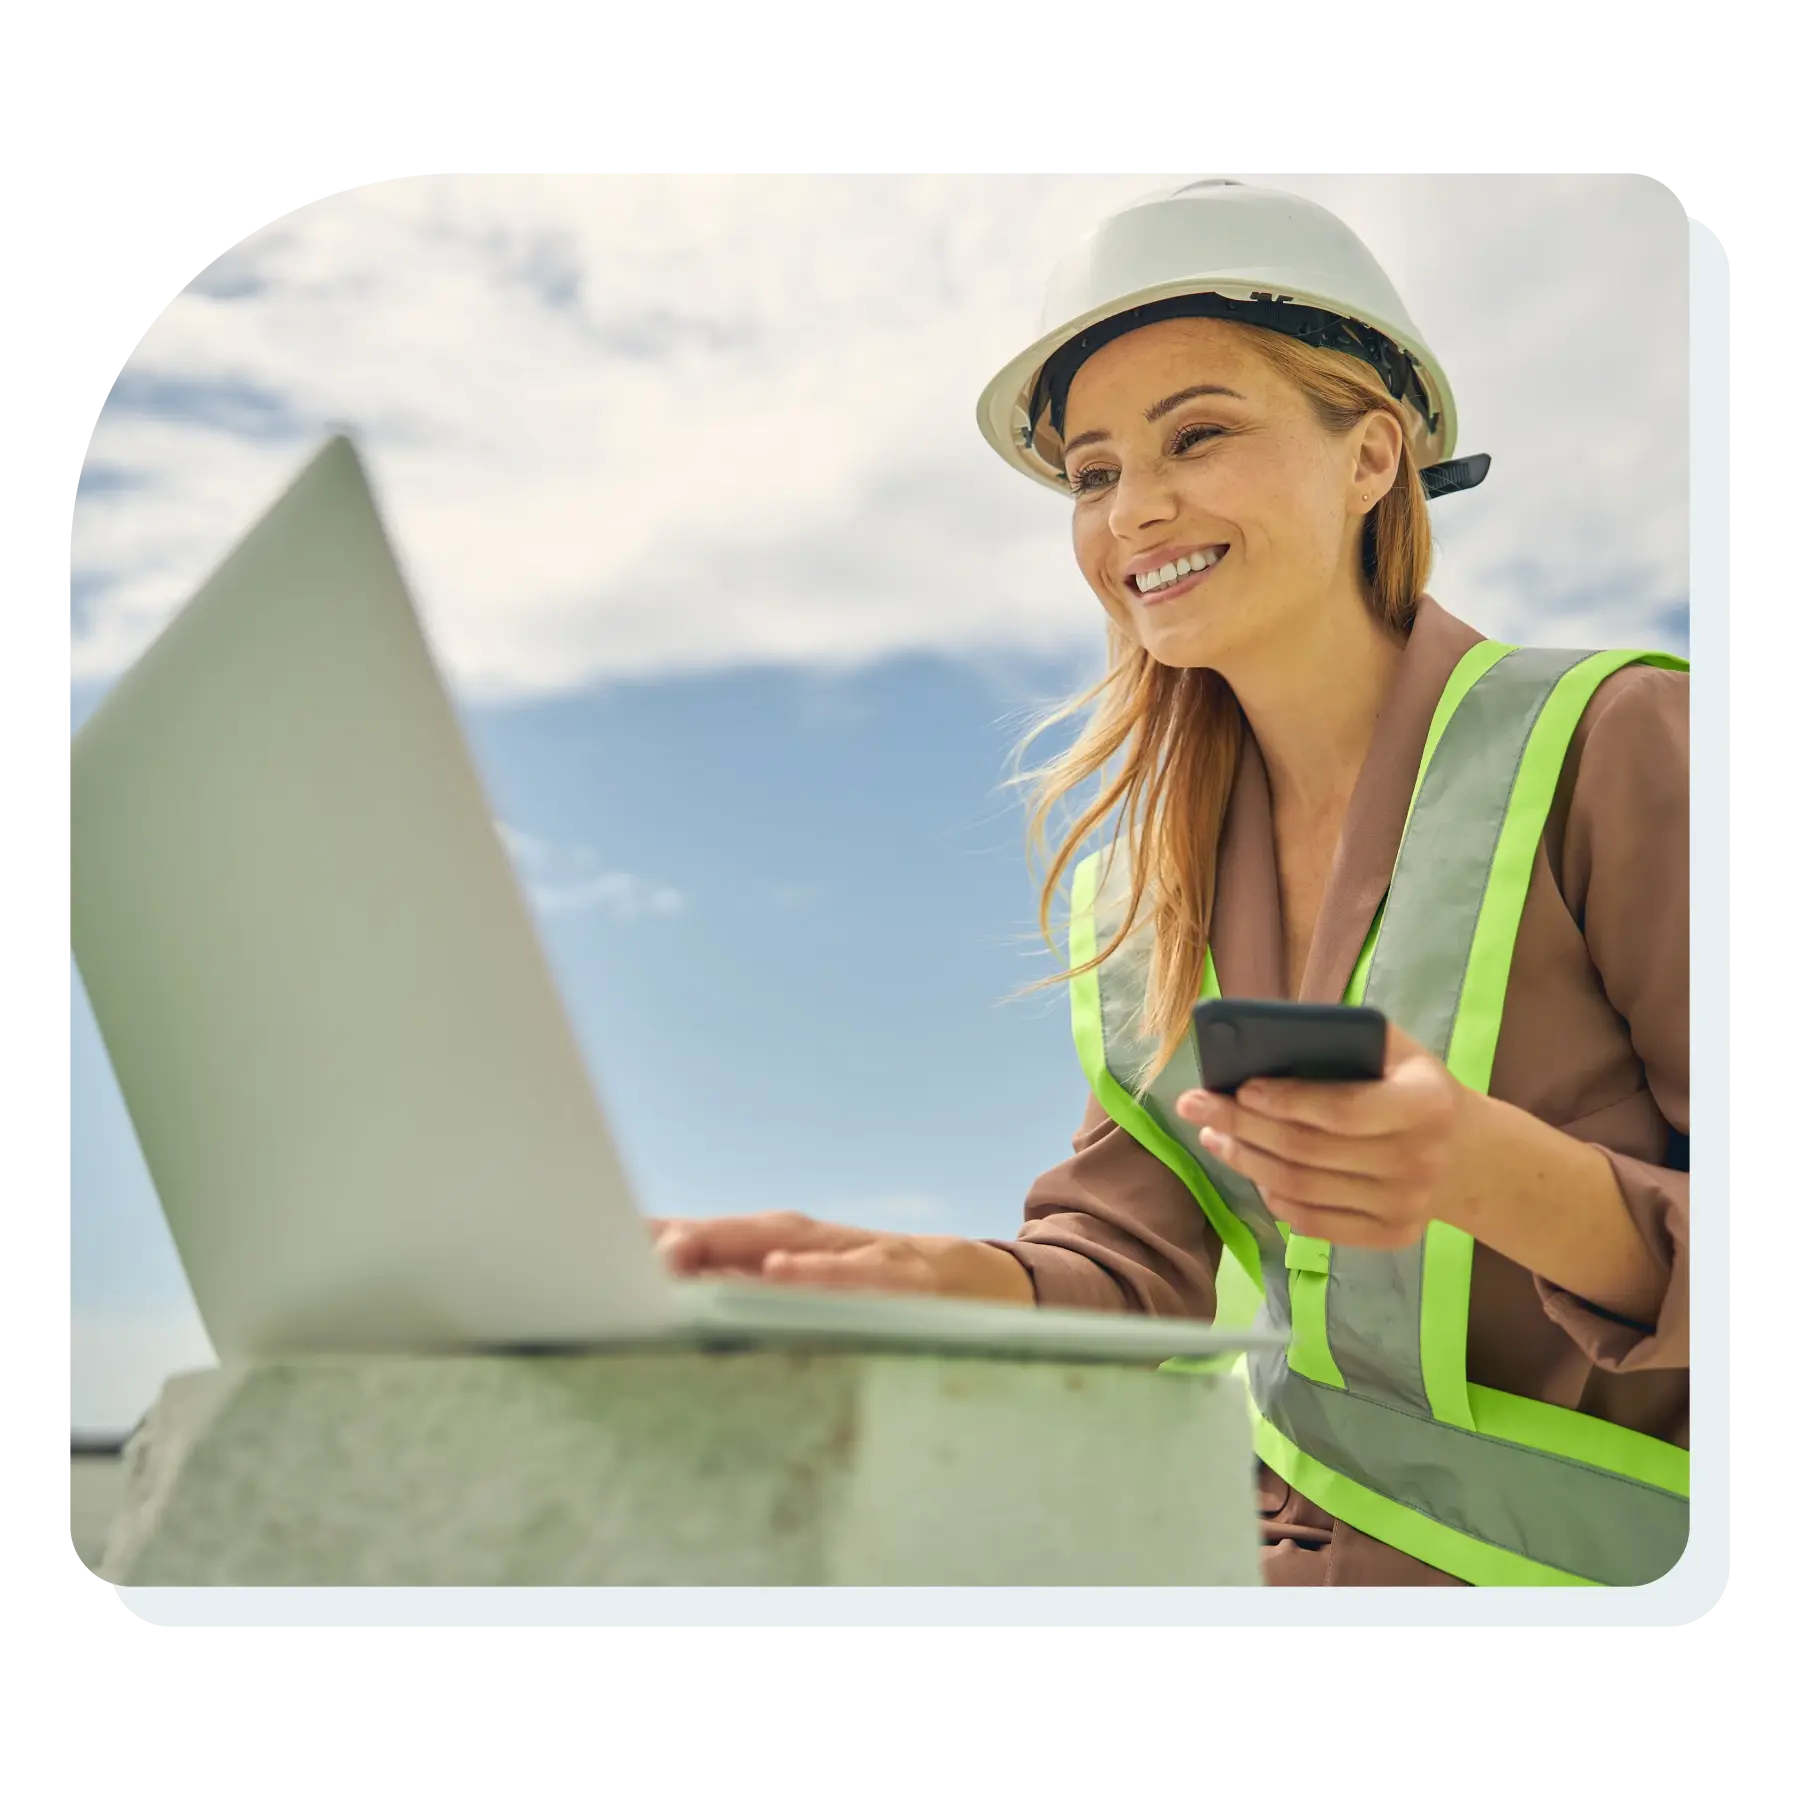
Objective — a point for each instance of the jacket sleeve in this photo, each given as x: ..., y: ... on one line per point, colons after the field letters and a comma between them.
x: 1114, y: 1228
x: 1624, y: 877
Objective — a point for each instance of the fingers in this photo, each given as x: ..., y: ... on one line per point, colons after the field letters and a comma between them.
x: 1342, y: 1108
x: 743, y: 1244
x: 1335, y: 1109
x: 792, y: 1249
x: 1372, y: 1212
x: 1356, y: 1163
x: 1416, y: 1097
x: 871, y: 1266
x: 1353, y: 1230
x: 1305, y: 1146
x: 1326, y: 1190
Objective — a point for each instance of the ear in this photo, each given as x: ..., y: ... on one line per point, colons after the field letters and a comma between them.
x: 1378, y: 444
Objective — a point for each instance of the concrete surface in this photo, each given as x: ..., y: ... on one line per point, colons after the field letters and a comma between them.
x: 689, y: 1469
x: 96, y: 1487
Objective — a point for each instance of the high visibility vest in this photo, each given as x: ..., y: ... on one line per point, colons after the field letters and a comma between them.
x: 1369, y: 1411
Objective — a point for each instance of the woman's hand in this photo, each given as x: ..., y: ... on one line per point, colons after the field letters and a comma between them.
x: 1372, y: 1163
x: 789, y: 1248
x: 1367, y: 1163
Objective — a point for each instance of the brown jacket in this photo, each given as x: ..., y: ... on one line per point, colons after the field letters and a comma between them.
x: 1594, y: 1040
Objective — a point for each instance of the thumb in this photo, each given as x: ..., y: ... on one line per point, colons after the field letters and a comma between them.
x: 1401, y: 1049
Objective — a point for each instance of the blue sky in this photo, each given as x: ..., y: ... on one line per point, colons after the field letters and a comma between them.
x: 743, y: 619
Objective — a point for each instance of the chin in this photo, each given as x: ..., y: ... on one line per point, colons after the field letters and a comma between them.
x: 1184, y: 645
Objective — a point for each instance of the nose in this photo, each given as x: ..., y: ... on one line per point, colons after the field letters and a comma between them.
x: 1142, y: 498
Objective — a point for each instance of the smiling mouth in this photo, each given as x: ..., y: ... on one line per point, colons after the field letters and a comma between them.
x: 1177, y: 577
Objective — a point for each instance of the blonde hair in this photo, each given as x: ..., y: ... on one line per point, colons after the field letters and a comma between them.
x: 1178, y: 733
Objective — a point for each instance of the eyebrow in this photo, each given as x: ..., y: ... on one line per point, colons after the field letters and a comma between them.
x: 1160, y: 410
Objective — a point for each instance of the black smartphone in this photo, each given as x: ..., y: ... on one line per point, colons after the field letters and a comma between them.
x: 1238, y: 1040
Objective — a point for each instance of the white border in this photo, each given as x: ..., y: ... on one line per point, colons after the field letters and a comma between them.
x: 1691, y: 1592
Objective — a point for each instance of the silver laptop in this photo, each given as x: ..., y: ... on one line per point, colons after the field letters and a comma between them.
x: 336, y: 1033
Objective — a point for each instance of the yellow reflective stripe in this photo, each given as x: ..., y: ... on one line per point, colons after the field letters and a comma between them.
x: 1474, y: 664
x: 1387, y: 1521
x: 1563, y: 1432
x: 1449, y: 1253
x: 1358, y: 985
x: 1239, y: 1290
x: 1476, y: 1032
x: 1311, y: 1254
x: 1120, y: 1106
x: 1444, y: 1322
x: 1309, y: 1339
x: 1239, y: 1296
x: 1308, y: 1258
x: 1222, y: 1364
x: 1308, y: 1262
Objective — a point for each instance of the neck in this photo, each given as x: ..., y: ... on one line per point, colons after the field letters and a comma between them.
x: 1314, y: 712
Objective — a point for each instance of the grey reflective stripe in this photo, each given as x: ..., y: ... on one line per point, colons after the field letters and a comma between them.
x: 1378, y: 1430
x: 1441, y: 874
x: 1552, y: 1509
x: 1372, y: 1303
x: 1375, y: 1298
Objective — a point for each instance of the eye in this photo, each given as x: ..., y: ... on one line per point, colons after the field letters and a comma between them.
x: 1098, y: 476
x: 1190, y: 435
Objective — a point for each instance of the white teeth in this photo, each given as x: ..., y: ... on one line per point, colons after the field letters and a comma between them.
x: 1176, y: 571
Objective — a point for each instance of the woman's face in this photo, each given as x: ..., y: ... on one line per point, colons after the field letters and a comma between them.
x: 1182, y: 443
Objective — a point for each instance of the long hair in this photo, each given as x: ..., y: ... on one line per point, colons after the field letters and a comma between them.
x: 1173, y: 737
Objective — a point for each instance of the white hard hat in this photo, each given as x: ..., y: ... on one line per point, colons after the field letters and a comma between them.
x: 1221, y: 249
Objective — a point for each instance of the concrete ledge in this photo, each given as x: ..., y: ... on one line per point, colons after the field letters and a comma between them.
x: 688, y: 1468
x: 96, y: 1485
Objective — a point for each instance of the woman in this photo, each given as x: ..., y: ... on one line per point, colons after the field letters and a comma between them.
x: 1323, y: 786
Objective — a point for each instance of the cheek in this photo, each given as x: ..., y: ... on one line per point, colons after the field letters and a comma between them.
x: 1093, y: 543
x: 1280, y: 519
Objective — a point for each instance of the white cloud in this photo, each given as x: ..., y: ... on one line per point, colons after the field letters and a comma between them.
x: 566, y: 878
x: 626, y: 897
x: 629, y: 427
x: 121, y: 1358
